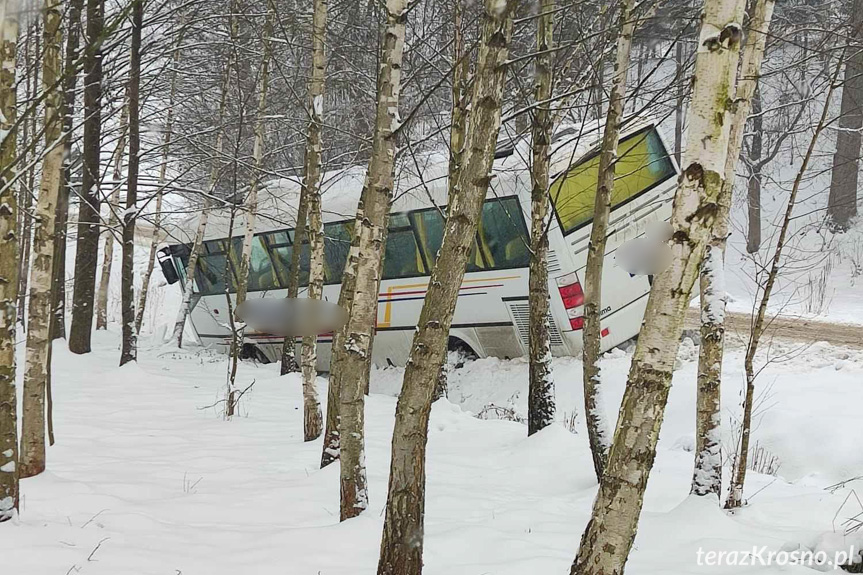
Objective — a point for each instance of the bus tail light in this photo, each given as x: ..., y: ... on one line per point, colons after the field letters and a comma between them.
x: 573, y: 299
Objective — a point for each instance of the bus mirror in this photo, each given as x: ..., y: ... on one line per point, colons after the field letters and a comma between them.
x: 166, y: 262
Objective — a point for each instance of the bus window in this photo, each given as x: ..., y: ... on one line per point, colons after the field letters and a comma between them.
x: 337, y: 244
x: 503, y: 235
x: 642, y: 164
x: 212, y: 269
x: 262, y: 276
x: 402, y: 258
x: 429, y: 230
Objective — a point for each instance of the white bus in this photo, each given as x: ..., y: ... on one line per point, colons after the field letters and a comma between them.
x: 491, y: 316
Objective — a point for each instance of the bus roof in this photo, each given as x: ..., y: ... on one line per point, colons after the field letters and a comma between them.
x: 420, y: 182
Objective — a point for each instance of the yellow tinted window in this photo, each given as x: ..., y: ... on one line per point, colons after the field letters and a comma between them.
x: 642, y: 163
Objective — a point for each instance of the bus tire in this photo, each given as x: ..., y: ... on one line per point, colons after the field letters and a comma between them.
x: 465, y: 352
x: 254, y: 353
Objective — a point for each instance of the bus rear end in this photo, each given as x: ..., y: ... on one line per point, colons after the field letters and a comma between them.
x: 645, y: 180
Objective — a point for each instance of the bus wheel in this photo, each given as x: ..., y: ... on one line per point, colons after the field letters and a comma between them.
x: 254, y: 353
x: 458, y: 353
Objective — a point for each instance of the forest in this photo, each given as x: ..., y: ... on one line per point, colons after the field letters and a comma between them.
x: 441, y: 286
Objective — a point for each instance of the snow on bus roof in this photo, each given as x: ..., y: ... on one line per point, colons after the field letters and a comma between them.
x: 420, y: 182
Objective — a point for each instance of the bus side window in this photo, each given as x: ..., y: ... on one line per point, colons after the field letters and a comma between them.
x: 262, y: 276
x: 503, y: 235
x: 212, y: 269
x: 429, y: 229
x: 337, y: 244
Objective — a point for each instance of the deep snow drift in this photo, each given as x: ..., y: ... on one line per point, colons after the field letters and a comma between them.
x: 146, y: 478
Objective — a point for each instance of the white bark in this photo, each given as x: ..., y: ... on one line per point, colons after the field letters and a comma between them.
x: 8, y: 264
x: 312, y: 422
x: 707, y: 476
x: 608, y: 538
x: 38, y: 350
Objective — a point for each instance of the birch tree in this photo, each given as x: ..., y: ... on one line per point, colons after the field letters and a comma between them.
x: 402, y: 542
x: 707, y: 477
x: 597, y: 427
x: 201, y: 229
x: 8, y: 264
x: 541, y: 385
x: 38, y: 351
x: 367, y: 256
x: 88, y: 210
x: 113, y: 210
x: 129, y: 342
x: 162, y: 182
x: 759, y: 322
x: 312, y: 185
x: 608, y: 538
x: 70, y: 83
x: 257, y: 156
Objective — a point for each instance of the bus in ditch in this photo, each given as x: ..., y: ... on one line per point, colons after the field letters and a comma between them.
x: 492, y: 315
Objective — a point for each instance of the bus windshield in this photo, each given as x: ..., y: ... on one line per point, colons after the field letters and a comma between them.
x: 642, y: 164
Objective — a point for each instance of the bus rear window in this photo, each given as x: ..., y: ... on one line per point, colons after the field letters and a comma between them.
x: 642, y: 164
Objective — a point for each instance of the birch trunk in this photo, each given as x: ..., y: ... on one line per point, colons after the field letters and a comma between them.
x: 707, y: 476
x: 8, y: 265
x: 157, y: 218
x: 38, y: 355
x: 197, y: 244
x: 129, y: 344
x: 26, y: 186
x: 312, y: 184
x: 257, y: 158
x: 113, y: 207
x: 402, y: 543
x: 541, y: 407
x: 289, y: 347
x: 610, y: 532
x: 332, y: 434
x: 842, y: 200
x: 88, y: 211
x: 369, y: 237
x: 735, y: 491
x: 594, y: 412
x: 70, y: 83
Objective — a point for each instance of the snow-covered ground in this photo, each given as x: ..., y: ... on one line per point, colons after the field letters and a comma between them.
x: 147, y: 478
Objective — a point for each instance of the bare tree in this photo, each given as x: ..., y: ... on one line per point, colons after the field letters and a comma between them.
x: 198, y: 242
x: 366, y: 257
x: 129, y: 342
x: 312, y: 184
x: 759, y: 323
x: 113, y: 211
x: 597, y: 426
x: 8, y: 264
x: 257, y: 156
x: 610, y: 532
x: 38, y: 368
x: 402, y: 542
x: 88, y: 210
x: 541, y: 384
x: 707, y: 477
x: 842, y: 201
x: 70, y: 83
x: 162, y: 183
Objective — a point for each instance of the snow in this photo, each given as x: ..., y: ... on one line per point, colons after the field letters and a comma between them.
x: 146, y: 479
